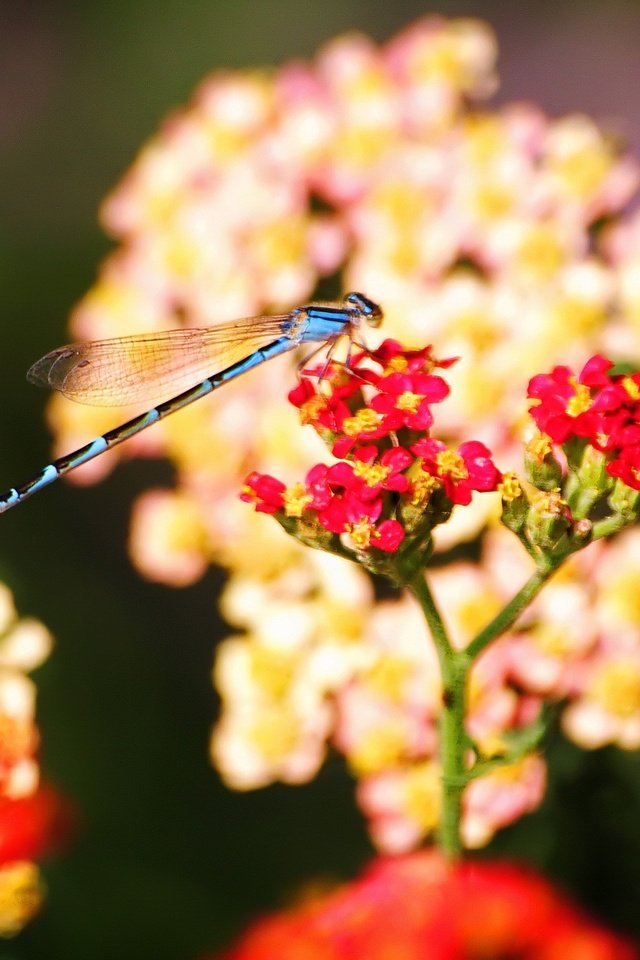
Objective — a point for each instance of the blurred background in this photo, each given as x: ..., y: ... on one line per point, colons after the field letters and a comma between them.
x: 167, y: 863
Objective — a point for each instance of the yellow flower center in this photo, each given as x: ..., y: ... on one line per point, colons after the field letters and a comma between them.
x: 452, y: 463
x: 361, y: 533
x: 509, y: 487
x: 476, y: 610
x: 311, y: 408
x: 617, y: 688
x: 409, y: 402
x: 422, y: 487
x: 296, y: 499
x: 631, y: 387
x: 539, y: 447
x: 362, y: 421
x: 581, y: 401
x: 371, y: 473
x: 388, y: 677
x: 396, y: 365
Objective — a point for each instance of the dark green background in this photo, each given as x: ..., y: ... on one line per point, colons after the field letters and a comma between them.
x: 167, y: 863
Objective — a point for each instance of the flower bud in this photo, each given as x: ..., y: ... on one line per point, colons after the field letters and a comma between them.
x: 548, y: 521
x: 624, y: 500
x: 515, y: 503
x: 592, y: 474
x: 581, y: 534
x: 543, y: 469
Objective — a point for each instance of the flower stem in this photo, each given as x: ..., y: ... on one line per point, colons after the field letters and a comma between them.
x: 454, y: 666
x: 510, y: 613
x: 610, y: 525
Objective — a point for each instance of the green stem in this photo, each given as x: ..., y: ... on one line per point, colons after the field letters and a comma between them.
x: 510, y: 613
x: 609, y: 526
x: 454, y: 666
x: 582, y: 503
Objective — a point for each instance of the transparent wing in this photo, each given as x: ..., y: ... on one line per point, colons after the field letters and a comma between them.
x: 150, y: 368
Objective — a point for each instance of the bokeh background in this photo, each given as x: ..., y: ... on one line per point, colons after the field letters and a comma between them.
x: 167, y: 863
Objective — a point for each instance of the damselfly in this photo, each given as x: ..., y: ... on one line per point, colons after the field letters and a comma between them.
x: 146, y: 367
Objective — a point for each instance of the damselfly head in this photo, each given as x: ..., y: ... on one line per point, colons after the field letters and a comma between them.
x: 371, y: 311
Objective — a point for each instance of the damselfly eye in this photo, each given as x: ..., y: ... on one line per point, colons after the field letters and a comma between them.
x: 370, y: 310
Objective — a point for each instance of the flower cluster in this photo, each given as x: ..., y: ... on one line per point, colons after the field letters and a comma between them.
x: 506, y: 263
x: 500, y: 233
x: 397, y: 482
x: 417, y: 906
x: 32, y: 816
x: 596, y: 407
x: 313, y: 668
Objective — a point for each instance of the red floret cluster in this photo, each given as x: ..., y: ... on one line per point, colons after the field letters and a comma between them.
x: 598, y: 407
x: 417, y: 907
x: 376, y: 415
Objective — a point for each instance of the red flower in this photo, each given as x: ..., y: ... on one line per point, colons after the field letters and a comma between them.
x: 395, y: 359
x: 471, y: 468
x: 576, y: 406
x: 388, y: 536
x: 265, y: 492
x: 321, y: 410
x: 347, y: 496
x: 364, y: 412
x: 366, y: 425
x: 626, y: 466
x: 31, y: 826
x: 346, y: 510
x: 417, y: 906
x: 405, y: 400
x: 366, y: 478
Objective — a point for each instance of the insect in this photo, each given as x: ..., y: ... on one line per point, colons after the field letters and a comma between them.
x: 143, y: 367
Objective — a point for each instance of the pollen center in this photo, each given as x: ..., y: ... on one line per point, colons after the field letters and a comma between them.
x: 360, y: 533
x: 408, y: 401
x: 311, y: 408
x: 361, y: 422
x: 452, y: 463
x: 396, y: 365
x: 539, y: 447
x: 295, y: 499
x: 631, y: 387
x: 581, y: 401
x: 510, y: 487
x: 371, y: 473
x: 422, y: 487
